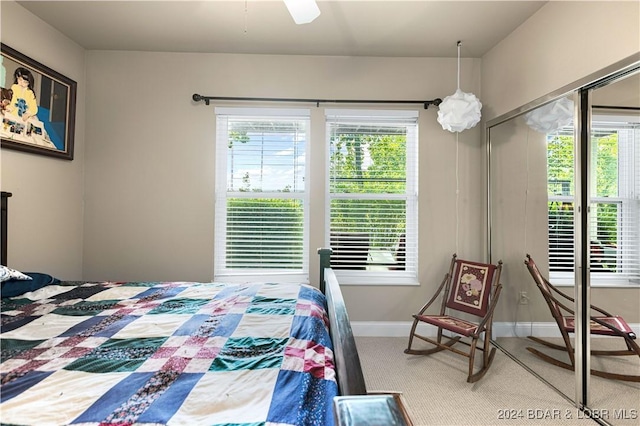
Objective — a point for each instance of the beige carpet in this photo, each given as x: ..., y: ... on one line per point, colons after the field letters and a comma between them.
x: 437, y: 393
x: 614, y: 398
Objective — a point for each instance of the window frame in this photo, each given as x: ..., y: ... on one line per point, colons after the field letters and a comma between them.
x: 409, y: 276
x: 629, y: 184
x: 221, y: 272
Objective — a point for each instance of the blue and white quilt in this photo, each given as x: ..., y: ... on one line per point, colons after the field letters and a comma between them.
x: 167, y: 353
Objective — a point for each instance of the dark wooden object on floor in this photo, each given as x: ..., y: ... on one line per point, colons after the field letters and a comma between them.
x: 3, y: 224
x: 604, y: 324
x: 471, y: 288
x: 374, y: 409
x: 347, y: 361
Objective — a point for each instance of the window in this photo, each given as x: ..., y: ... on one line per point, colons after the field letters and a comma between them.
x: 261, y: 198
x: 615, y: 201
x: 372, y: 193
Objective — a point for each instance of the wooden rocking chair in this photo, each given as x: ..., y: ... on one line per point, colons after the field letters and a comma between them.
x: 466, y: 288
x: 603, y: 323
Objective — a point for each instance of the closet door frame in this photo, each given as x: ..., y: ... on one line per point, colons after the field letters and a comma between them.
x: 581, y: 91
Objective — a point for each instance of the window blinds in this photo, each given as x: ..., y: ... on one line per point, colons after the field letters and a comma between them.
x: 261, y: 198
x: 615, y: 203
x: 372, y: 191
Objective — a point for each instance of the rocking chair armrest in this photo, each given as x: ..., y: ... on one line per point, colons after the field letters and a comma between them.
x: 435, y: 296
x: 558, y: 292
x: 492, y: 306
x: 561, y: 305
x: 593, y: 307
x: 570, y: 311
x: 602, y: 311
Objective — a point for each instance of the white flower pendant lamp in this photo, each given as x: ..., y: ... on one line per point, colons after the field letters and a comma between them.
x: 460, y: 111
x: 303, y: 11
x: 551, y: 117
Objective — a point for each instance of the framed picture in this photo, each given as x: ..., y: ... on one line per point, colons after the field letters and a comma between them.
x: 38, y: 106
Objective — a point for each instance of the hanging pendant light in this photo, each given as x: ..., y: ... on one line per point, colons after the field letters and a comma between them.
x: 551, y: 117
x: 460, y: 111
x: 302, y: 11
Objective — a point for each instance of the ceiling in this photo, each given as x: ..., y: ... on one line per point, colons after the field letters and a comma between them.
x: 418, y: 28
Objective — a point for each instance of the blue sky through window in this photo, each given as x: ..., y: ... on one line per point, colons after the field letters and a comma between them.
x: 269, y: 161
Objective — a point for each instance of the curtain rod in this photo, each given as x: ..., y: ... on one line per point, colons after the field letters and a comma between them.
x: 208, y: 99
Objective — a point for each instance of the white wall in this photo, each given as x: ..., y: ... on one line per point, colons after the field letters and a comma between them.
x: 46, y: 210
x: 146, y: 164
x: 150, y: 160
x: 563, y: 42
x: 519, y: 210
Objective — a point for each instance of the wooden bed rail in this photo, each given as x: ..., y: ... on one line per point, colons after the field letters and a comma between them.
x: 325, y: 262
x: 348, y: 367
x: 3, y: 226
x: 355, y: 405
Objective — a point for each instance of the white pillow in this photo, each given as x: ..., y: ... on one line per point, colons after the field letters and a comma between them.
x: 7, y: 273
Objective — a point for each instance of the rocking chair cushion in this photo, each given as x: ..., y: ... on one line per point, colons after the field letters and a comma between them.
x: 615, y: 321
x: 447, y: 322
x: 471, y: 287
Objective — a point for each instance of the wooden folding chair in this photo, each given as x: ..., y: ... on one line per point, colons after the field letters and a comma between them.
x: 604, y: 324
x: 468, y: 288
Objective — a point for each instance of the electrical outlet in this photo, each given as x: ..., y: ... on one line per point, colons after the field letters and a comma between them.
x: 523, y: 299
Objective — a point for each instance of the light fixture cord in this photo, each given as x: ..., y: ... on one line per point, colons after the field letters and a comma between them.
x: 246, y: 15
x: 457, y: 194
x: 526, y: 196
x: 457, y: 166
x: 526, y: 225
x: 459, y: 44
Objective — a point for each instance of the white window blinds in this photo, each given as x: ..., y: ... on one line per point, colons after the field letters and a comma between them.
x: 372, y: 191
x: 615, y: 201
x: 261, y: 198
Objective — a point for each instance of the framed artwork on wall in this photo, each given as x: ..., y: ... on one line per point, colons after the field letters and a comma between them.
x: 38, y: 106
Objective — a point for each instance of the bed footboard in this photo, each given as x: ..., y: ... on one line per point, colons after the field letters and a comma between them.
x: 348, y: 367
x: 355, y: 405
x: 3, y: 225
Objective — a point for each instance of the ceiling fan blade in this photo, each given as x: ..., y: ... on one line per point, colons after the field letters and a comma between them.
x: 302, y: 11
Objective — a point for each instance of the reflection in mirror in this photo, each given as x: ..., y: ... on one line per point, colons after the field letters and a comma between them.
x: 615, y: 240
x: 532, y: 184
x: 526, y: 221
x: 613, y: 246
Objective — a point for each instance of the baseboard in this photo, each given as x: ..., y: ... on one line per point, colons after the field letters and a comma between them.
x: 500, y: 329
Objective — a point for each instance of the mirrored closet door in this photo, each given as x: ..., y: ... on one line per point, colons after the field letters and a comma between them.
x: 614, y: 230
x: 580, y: 147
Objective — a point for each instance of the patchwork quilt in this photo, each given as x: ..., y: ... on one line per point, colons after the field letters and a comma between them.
x: 167, y: 353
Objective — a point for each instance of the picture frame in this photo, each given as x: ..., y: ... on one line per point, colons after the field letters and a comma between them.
x: 38, y: 106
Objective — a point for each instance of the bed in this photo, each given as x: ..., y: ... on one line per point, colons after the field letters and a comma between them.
x: 175, y: 353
